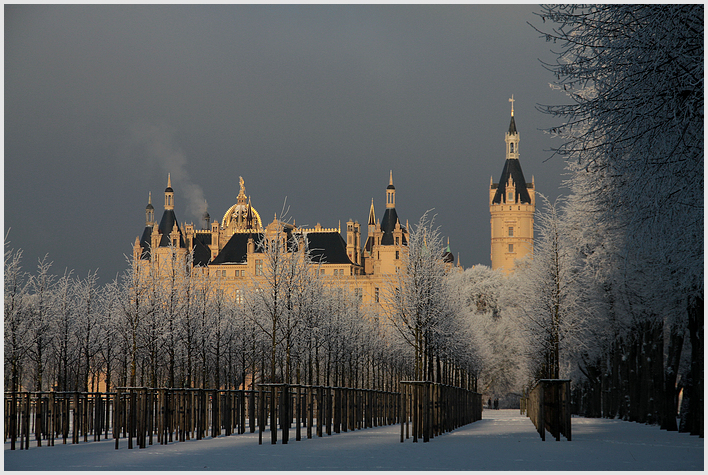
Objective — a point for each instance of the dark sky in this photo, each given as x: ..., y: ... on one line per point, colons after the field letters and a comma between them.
x: 313, y: 103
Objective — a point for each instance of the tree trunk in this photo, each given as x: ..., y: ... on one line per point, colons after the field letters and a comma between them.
x: 692, y: 418
x: 668, y: 420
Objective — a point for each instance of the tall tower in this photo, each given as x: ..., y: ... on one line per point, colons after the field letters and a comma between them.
x: 512, y: 203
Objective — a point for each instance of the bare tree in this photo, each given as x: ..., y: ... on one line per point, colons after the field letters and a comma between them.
x: 416, y: 300
x: 65, y: 332
x: 42, y: 305
x: 87, y: 326
x: 16, y: 317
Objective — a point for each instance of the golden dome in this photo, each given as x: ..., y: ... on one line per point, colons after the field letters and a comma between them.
x: 236, y: 217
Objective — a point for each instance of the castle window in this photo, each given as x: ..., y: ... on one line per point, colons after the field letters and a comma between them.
x: 511, y: 196
x: 511, y: 147
x: 397, y: 255
x: 259, y: 267
x: 511, y: 231
x: 396, y: 240
x: 376, y: 295
x: 239, y: 296
x: 511, y: 248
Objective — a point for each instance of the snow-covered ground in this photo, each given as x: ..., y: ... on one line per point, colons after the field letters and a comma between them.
x: 502, y: 440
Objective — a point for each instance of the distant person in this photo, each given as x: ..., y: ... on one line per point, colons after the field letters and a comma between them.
x: 489, y: 403
x: 496, y: 403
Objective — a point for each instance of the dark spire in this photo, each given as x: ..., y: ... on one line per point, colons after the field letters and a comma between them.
x: 512, y: 127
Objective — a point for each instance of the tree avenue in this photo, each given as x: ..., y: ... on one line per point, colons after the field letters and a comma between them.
x: 169, y: 323
x: 611, y: 296
x: 632, y: 135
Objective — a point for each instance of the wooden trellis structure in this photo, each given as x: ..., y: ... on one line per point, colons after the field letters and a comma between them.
x: 548, y: 407
x: 434, y: 408
x: 146, y: 416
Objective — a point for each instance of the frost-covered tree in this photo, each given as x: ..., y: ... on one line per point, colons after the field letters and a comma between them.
x: 16, y: 316
x: 65, y: 330
x: 634, y: 125
x: 40, y: 318
x: 549, y: 294
x: 277, y: 296
x: 493, y: 335
x: 108, y: 332
x: 416, y: 301
x: 87, y: 326
x: 134, y: 306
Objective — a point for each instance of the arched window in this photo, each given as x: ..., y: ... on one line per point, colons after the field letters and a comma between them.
x: 511, y: 147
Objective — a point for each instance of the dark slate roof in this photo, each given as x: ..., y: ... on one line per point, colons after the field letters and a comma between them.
x: 369, y: 245
x: 512, y: 126
x: 328, y: 248
x: 236, y: 250
x: 202, y: 253
x: 145, y: 241
x: 169, y: 219
x: 448, y: 257
x: 512, y: 168
x: 388, y: 224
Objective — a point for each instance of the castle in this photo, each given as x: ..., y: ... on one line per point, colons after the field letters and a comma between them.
x: 230, y: 248
x: 512, y: 203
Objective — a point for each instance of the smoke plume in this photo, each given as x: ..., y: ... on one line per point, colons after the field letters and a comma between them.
x: 157, y: 145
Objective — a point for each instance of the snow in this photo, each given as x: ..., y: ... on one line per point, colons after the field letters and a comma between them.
x: 502, y: 440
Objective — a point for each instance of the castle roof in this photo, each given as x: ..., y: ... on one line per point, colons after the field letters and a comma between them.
x: 145, y: 241
x: 388, y: 224
x: 167, y: 223
x: 202, y: 254
x: 328, y: 248
x: 325, y: 247
x: 512, y: 169
x: 236, y: 250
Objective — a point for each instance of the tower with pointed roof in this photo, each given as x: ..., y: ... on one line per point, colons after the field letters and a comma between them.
x: 387, y: 239
x: 512, y: 203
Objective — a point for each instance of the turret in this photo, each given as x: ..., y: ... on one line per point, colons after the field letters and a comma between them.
x: 169, y: 195
x: 353, y: 241
x: 149, y: 212
x: 390, y: 192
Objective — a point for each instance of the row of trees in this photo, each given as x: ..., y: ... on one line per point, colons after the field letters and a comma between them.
x: 177, y: 325
x: 614, y: 295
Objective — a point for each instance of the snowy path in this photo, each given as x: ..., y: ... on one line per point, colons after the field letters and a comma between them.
x: 502, y: 440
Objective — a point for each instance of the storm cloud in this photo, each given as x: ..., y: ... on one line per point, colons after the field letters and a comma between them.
x: 316, y: 103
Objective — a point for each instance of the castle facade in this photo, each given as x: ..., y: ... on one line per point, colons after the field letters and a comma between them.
x: 230, y: 249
